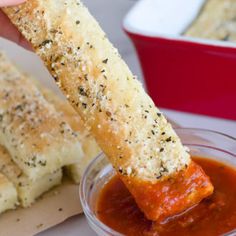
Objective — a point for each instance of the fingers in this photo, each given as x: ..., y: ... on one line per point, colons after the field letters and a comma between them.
x: 8, y: 30
x: 4, y: 3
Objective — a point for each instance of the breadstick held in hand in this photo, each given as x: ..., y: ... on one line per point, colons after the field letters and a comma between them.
x: 139, y: 142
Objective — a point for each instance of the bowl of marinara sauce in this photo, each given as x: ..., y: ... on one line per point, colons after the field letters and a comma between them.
x: 111, y: 210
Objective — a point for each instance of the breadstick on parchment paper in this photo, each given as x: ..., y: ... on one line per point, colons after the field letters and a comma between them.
x: 8, y: 194
x: 216, y: 21
x: 39, y: 141
x: 89, y: 145
x: 133, y: 133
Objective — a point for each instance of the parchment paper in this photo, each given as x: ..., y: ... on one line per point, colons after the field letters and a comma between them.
x: 53, y: 208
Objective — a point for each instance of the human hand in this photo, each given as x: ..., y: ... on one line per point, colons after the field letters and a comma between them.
x: 7, y: 29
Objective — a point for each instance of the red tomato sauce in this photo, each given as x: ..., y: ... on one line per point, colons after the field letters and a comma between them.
x: 215, y: 215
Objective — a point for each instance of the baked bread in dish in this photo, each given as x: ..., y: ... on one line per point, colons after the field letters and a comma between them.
x: 217, y: 20
x: 27, y: 190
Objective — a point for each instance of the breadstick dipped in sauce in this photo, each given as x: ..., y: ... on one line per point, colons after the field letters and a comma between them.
x: 135, y: 136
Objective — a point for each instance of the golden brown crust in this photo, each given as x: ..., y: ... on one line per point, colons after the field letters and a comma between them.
x: 124, y: 120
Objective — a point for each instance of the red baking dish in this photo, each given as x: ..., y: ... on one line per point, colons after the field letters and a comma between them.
x: 182, y: 73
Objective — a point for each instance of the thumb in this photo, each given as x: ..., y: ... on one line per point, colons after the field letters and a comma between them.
x: 9, y: 31
x: 5, y: 3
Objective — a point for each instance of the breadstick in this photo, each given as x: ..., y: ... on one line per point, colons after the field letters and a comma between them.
x: 215, y: 21
x: 39, y: 141
x: 27, y: 190
x: 89, y: 145
x: 8, y: 194
x: 132, y: 132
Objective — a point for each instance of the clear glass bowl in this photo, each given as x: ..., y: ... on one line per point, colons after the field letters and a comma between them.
x: 204, y: 143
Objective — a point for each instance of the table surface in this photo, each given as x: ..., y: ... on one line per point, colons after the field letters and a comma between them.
x: 117, y: 9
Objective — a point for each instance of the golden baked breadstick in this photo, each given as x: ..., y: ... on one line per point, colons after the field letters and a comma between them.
x: 8, y: 194
x: 27, y: 190
x: 215, y: 21
x: 139, y: 142
x: 39, y: 141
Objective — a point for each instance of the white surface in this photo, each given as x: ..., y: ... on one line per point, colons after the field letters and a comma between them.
x: 111, y: 21
x: 155, y: 17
